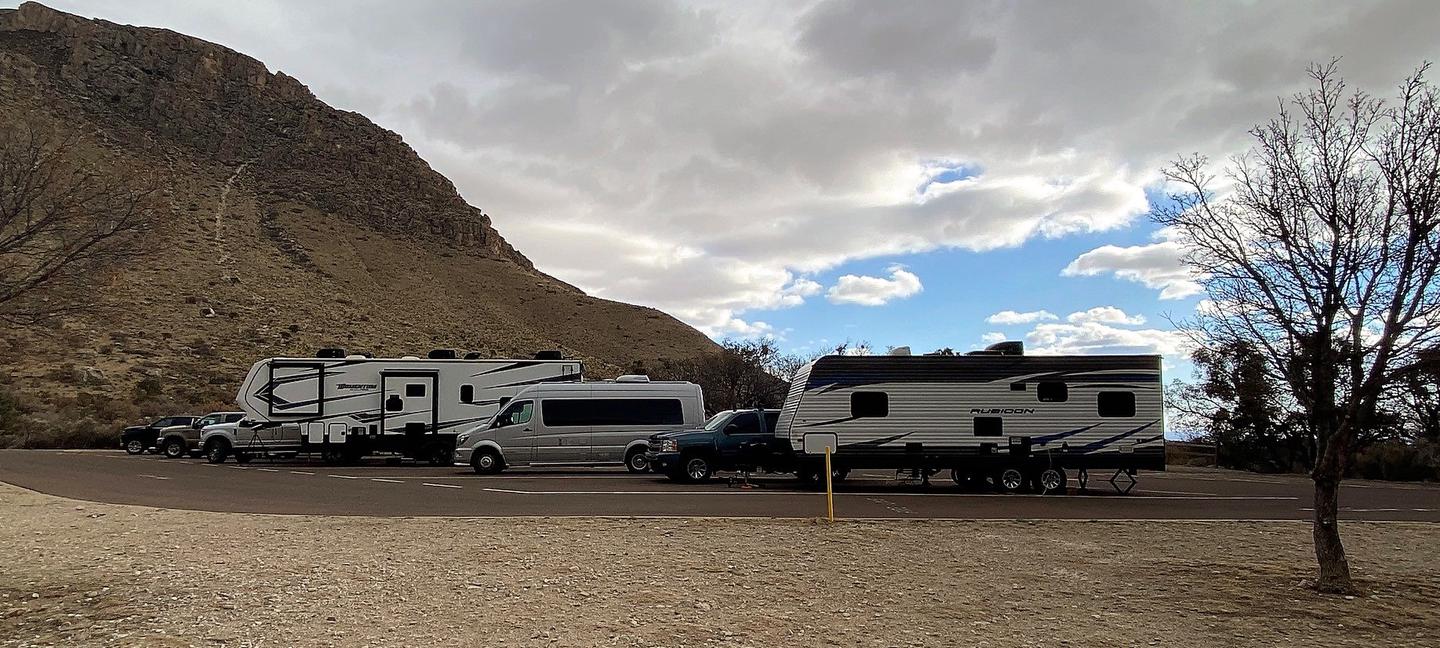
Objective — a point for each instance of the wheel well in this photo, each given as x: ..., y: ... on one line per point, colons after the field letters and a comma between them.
x: 642, y: 446
x: 484, y: 446
x: 216, y: 439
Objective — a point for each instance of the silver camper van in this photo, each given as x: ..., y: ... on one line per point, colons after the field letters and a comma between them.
x: 587, y: 423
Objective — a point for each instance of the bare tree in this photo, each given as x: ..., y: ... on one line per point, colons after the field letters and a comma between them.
x: 1319, y: 247
x: 62, y: 222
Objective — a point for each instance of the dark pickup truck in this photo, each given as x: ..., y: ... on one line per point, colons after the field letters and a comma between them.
x: 139, y: 438
x: 730, y: 440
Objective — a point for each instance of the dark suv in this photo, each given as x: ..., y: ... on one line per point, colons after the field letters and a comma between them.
x: 730, y: 440
x: 139, y: 438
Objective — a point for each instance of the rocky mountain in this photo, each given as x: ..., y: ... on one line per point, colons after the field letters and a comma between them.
x: 288, y: 226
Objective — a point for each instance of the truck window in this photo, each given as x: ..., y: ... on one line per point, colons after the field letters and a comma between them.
x: 869, y: 404
x: 1052, y: 392
x: 746, y: 423
x: 1116, y: 404
x: 771, y: 420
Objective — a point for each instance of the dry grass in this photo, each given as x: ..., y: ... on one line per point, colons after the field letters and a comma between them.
x: 93, y: 574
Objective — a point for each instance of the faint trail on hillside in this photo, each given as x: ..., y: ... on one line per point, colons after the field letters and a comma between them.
x: 223, y: 255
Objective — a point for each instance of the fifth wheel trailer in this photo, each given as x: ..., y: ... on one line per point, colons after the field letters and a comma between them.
x: 998, y: 416
x: 349, y: 406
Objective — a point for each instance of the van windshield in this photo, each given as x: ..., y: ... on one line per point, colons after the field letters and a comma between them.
x: 717, y: 420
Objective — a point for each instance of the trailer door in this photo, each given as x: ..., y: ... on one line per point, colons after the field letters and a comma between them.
x: 408, y: 403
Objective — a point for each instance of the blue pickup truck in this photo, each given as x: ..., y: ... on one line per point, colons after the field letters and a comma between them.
x: 730, y: 440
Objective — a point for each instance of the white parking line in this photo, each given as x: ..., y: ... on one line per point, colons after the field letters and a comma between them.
x: 440, y: 485
x: 267, y: 470
x: 1346, y: 509
x: 300, y: 472
x: 154, y: 477
x: 344, y: 476
x: 388, y: 481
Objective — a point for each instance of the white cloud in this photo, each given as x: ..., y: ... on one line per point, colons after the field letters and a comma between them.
x: 1105, y: 315
x: 701, y: 157
x: 1095, y: 338
x: 1156, y: 265
x: 1010, y: 317
x: 874, y: 291
x: 993, y: 337
x: 736, y: 327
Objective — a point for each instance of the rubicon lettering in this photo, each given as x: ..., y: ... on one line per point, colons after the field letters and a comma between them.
x: 1002, y: 410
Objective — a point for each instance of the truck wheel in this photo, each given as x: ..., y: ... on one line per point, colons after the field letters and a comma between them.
x: 1010, y: 480
x: 697, y: 468
x: 635, y: 461
x: 134, y: 447
x: 487, y: 461
x: 216, y: 450
x: 174, y: 449
x: 1051, y: 481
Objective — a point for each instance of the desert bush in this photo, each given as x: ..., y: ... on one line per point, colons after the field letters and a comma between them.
x: 1398, y: 461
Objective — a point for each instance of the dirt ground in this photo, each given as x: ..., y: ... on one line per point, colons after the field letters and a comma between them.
x: 78, y: 573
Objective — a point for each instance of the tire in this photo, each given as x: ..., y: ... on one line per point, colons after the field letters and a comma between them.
x: 439, y: 455
x: 1010, y: 480
x: 134, y: 447
x: 243, y: 457
x: 174, y: 449
x: 696, y: 468
x: 487, y: 461
x: 1051, y: 481
x: 635, y: 461
x: 216, y: 450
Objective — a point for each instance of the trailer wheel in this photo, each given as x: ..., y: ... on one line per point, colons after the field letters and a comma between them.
x: 216, y: 450
x: 487, y: 461
x: 174, y: 448
x: 439, y: 455
x: 635, y: 461
x: 243, y: 457
x: 134, y: 447
x: 1051, y: 480
x: 1010, y: 480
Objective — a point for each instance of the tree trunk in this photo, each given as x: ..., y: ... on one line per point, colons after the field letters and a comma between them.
x: 1329, y: 552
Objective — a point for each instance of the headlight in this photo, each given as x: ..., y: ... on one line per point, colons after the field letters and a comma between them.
x: 460, y: 440
x: 669, y: 445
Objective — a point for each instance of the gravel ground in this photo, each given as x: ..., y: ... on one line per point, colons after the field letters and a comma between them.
x: 79, y: 573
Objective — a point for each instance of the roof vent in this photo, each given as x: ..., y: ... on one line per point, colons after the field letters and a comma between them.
x: 409, y: 357
x: 633, y: 378
x: 355, y: 356
x: 441, y: 354
x: 1009, y: 347
x: 900, y: 351
x: 330, y: 352
x: 474, y: 355
x: 549, y: 355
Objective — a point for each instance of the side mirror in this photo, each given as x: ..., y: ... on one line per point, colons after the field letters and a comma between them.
x: 731, y: 428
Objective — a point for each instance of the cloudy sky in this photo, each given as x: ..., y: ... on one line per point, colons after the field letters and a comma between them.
x: 927, y: 174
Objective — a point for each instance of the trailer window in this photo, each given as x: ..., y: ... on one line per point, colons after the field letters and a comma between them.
x: 1116, y: 404
x: 414, y: 389
x: 1052, y: 392
x: 991, y: 426
x: 467, y: 393
x: 869, y: 404
x: 1017, y: 386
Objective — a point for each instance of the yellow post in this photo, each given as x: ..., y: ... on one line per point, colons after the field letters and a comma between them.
x: 829, y: 488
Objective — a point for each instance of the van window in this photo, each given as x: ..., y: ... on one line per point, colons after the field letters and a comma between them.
x: 1052, y: 392
x: 992, y: 426
x: 517, y: 414
x: 467, y: 393
x: 869, y: 404
x: 1116, y: 404
x: 563, y: 412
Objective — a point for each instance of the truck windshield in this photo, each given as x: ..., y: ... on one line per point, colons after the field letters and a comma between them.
x: 717, y: 420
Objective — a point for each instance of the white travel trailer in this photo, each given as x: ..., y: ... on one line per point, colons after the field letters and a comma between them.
x: 996, y: 416
x: 347, y: 406
x: 589, y: 423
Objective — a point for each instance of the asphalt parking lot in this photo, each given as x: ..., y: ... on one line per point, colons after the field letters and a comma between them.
x: 405, y: 490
